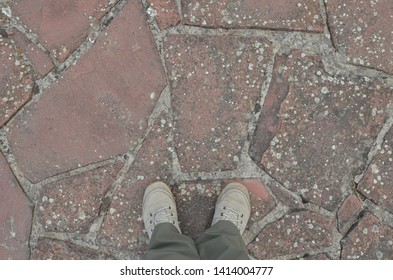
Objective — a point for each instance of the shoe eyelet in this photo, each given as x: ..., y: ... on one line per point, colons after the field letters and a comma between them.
x: 222, y: 214
x: 169, y: 207
x: 172, y: 215
x: 225, y: 207
x: 242, y: 215
x: 151, y: 222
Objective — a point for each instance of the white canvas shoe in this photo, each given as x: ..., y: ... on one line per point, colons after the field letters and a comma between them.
x: 158, y: 207
x: 233, y: 205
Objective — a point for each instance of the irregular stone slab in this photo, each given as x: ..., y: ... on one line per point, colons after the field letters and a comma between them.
x: 61, y: 25
x: 16, y: 83
x: 72, y: 204
x: 316, y: 129
x: 348, y: 213
x: 165, y: 12
x: 261, y: 200
x: 215, y: 83
x: 50, y: 249
x: 15, y: 216
x: 195, y: 219
x: 123, y: 225
x: 370, y: 240
x: 91, y: 114
x: 377, y: 183
x: 362, y: 31
x: 38, y: 58
x: 264, y: 14
x: 296, y: 233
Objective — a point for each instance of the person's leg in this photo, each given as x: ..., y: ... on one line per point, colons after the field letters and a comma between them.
x: 162, y: 226
x: 223, y: 241
x: 167, y: 243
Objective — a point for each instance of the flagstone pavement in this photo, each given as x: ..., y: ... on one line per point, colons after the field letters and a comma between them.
x: 100, y: 98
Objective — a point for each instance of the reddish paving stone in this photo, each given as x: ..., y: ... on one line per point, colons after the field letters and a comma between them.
x: 215, y: 83
x: 61, y: 25
x: 264, y: 14
x: 195, y: 219
x: 377, y: 183
x: 362, y: 31
x: 296, y: 233
x: 50, y: 249
x: 261, y: 200
x: 348, y: 213
x: 38, y: 58
x: 316, y: 129
x: 15, y: 216
x: 66, y: 129
x: 123, y: 225
x: 370, y: 240
x: 167, y: 12
x: 16, y: 80
x: 72, y: 204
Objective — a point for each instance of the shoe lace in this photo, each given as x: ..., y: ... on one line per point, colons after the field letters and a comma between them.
x: 233, y: 216
x: 161, y: 215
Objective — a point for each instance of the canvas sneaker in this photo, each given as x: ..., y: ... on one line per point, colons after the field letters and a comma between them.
x: 233, y: 205
x: 158, y: 207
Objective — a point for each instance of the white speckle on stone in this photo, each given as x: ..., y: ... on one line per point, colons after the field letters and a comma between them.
x: 112, y: 211
x: 140, y: 177
x: 151, y: 12
x: 6, y: 11
x: 374, y: 169
x: 379, y: 255
x: 365, y: 231
x: 81, y: 215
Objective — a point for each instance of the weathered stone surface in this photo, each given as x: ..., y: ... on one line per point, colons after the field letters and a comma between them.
x: 265, y: 14
x: 348, y: 213
x: 16, y: 81
x: 215, y: 83
x: 370, y: 240
x: 61, y: 25
x: 195, y: 219
x: 316, y: 129
x: 50, y: 249
x: 189, y: 197
x: 72, y: 204
x: 296, y: 234
x: 91, y: 114
x: 38, y: 58
x: 15, y: 216
x: 362, y: 30
x: 377, y: 183
x: 316, y: 257
x: 261, y: 200
x: 166, y: 12
x: 123, y: 225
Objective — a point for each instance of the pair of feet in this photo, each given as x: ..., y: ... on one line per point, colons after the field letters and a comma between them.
x: 159, y: 206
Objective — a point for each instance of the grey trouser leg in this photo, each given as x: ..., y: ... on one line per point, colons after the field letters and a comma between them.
x: 222, y: 242
x: 168, y: 244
